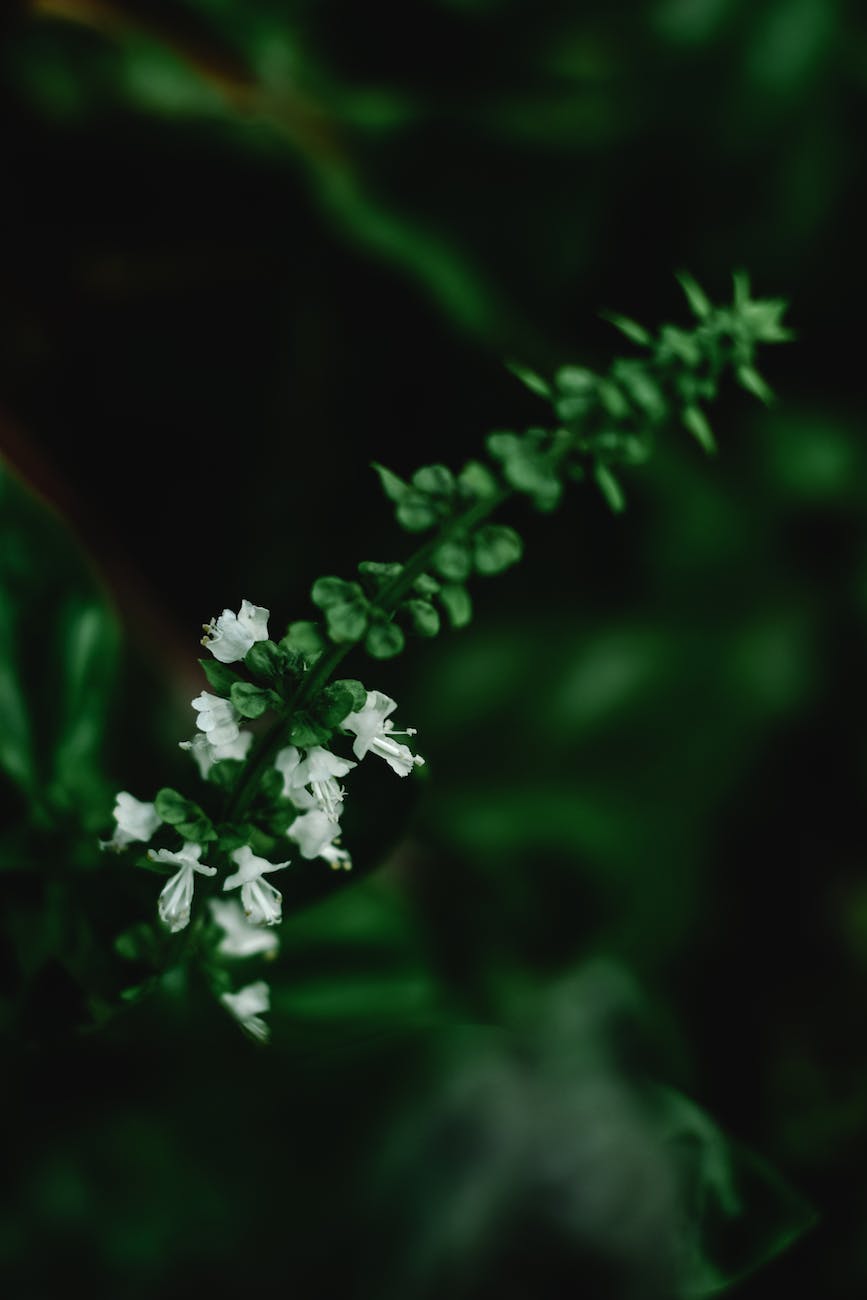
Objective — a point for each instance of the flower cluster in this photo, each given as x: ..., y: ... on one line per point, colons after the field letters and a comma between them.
x: 287, y: 783
x: 302, y: 803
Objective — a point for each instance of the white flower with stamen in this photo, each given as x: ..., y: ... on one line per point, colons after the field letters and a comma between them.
x: 134, y: 821
x: 240, y: 938
x: 262, y: 903
x: 374, y: 732
x: 176, y: 898
x: 218, y: 719
x: 230, y: 636
x: 319, y: 771
x: 247, y: 1006
x: 314, y: 832
x: 206, y: 754
x: 337, y: 859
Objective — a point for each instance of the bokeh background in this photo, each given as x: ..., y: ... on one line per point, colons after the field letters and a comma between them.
x: 589, y: 1017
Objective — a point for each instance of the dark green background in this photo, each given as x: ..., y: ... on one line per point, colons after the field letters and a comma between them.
x: 246, y: 249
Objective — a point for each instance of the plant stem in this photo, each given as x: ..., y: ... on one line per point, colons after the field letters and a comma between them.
x: 387, y: 600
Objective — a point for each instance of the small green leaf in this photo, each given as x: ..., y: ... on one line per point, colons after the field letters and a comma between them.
x: 456, y: 601
x: 347, y: 620
x: 453, y: 560
x: 186, y: 817
x: 696, y: 297
x: 476, y: 480
x: 384, y: 640
x: 530, y: 379
x: 425, y: 619
x: 225, y: 772
x: 415, y: 512
x: 252, y: 701
x: 425, y: 585
x: 634, y: 332
x: 220, y: 676
x: 306, y: 731
x: 379, y: 573
x: 496, y: 547
x: 338, y: 700
x: 751, y: 380
x: 575, y: 381
x: 393, y: 486
x: 265, y: 661
x: 333, y: 591
x: 609, y: 487
x: 437, y: 480
x: 304, y: 638
x: 697, y: 422
x: 171, y: 806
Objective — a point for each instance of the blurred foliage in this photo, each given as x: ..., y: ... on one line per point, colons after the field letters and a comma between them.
x: 253, y: 247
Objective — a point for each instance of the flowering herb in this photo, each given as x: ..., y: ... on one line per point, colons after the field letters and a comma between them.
x: 285, y: 786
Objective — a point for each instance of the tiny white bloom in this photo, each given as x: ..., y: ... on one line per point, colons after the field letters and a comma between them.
x: 336, y: 858
x: 374, y: 731
x: 217, y: 718
x: 134, y: 820
x: 318, y: 771
x: 240, y: 938
x: 207, y: 754
x: 230, y: 636
x: 247, y: 1006
x: 314, y: 832
x: 262, y: 903
x: 176, y: 897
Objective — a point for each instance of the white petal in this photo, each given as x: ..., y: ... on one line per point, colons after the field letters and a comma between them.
x: 312, y: 832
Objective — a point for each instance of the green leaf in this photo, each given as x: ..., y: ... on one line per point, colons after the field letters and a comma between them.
x: 476, y: 480
x: 634, y: 332
x: 326, y: 592
x: 379, y: 573
x: 138, y: 943
x: 609, y: 487
x: 265, y: 661
x: 456, y: 601
x: 752, y: 381
x: 304, y: 638
x: 393, y: 486
x: 425, y: 619
x: 530, y: 379
x: 696, y: 297
x: 338, y: 700
x: 306, y: 731
x: 425, y: 585
x: 437, y: 480
x: 225, y: 772
x: 186, y: 817
x: 496, y: 547
x: 252, y: 701
x: 384, y: 640
x: 453, y: 560
x: 696, y: 421
x: 415, y: 512
x: 221, y: 678
x: 576, y: 381
x: 347, y: 620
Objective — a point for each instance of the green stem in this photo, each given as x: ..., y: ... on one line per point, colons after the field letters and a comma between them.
x: 387, y: 600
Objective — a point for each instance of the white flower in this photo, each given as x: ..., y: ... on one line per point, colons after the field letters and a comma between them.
x: 318, y: 770
x: 314, y: 832
x: 240, y: 938
x: 134, y: 820
x: 262, y: 903
x: 176, y: 897
x: 374, y: 731
x: 336, y: 858
x: 217, y: 718
x: 230, y: 636
x: 246, y: 1006
x: 207, y: 754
